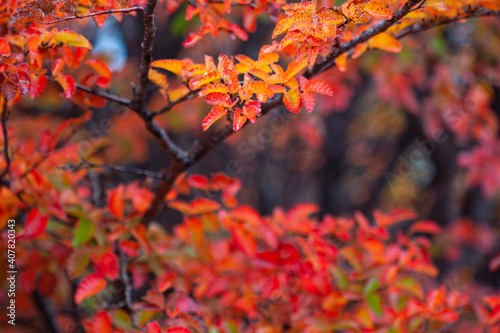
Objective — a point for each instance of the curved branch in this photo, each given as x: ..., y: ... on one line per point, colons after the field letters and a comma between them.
x: 105, y: 95
x: 104, y: 12
x: 190, y: 95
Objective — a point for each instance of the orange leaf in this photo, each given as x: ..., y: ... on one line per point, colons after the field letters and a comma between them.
x: 171, y: 65
x: 89, y: 286
x: 4, y: 47
x: 386, y: 42
x: 196, y: 228
x: 214, y: 114
x: 102, y: 68
x: 67, y: 83
x: 252, y: 110
x: 116, y: 201
x: 295, y: 67
x: 57, y: 66
x: 292, y: 100
x: 239, y: 120
x: 214, y: 88
x: 378, y: 10
x: 101, y: 323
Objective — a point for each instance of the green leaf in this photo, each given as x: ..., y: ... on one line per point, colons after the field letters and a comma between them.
x: 340, y: 278
x: 83, y: 232
x: 371, y: 286
x: 375, y: 303
x: 121, y: 319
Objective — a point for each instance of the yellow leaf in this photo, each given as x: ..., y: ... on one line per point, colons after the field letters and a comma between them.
x: 386, y: 42
x: 70, y: 38
x: 171, y: 65
x: 378, y: 10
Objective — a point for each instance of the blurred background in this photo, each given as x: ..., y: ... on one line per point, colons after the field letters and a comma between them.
x: 418, y: 129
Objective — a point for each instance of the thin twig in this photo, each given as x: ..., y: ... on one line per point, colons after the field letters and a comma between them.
x: 129, y: 305
x: 105, y: 95
x: 104, y: 12
x: 135, y: 171
x: 170, y: 105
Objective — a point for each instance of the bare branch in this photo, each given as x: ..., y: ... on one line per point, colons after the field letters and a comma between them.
x: 170, y: 105
x: 147, y: 51
x: 427, y: 25
x: 139, y: 172
x: 105, y: 95
x: 104, y: 12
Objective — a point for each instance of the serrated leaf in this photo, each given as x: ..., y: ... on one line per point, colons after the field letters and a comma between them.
x: 239, y: 120
x: 378, y: 10
x: 67, y: 83
x: 291, y: 99
x: 214, y: 88
x: 91, y: 285
x: 215, y: 113
x: 171, y: 65
x: 83, y: 232
x: 70, y: 38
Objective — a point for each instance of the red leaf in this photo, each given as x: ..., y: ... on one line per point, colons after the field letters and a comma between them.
x: 153, y: 327
x: 101, y: 323
x: 308, y: 100
x: 116, y: 202
x: 191, y: 40
x: 67, y: 83
x: 239, y: 120
x: 35, y: 225
x: 252, y: 110
x: 107, y: 265
x: 214, y: 114
x: 91, y: 285
x: 426, y: 227
x: 102, y: 68
x: 4, y: 47
x: 177, y: 330
x: 130, y: 248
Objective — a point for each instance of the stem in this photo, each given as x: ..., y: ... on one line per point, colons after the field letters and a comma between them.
x: 104, y: 12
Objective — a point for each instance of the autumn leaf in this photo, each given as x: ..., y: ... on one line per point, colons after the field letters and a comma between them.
x: 427, y: 227
x: 386, y: 42
x: 67, y: 83
x: 91, y: 285
x: 4, y: 47
x: 214, y: 114
x: 115, y: 202
x: 101, y: 323
x: 378, y: 10
x: 35, y: 225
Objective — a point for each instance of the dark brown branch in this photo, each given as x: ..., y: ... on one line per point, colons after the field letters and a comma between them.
x: 427, y: 25
x: 105, y: 95
x: 104, y: 12
x: 119, y: 168
x: 170, y: 105
x: 47, y: 313
x: 147, y: 51
x: 5, y: 116
x: 378, y: 28
x: 129, y: 305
